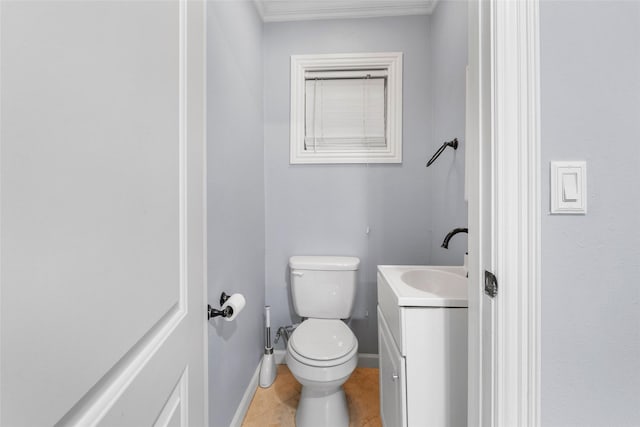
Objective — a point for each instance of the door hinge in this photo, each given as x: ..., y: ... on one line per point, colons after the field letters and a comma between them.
x: 490, y: 284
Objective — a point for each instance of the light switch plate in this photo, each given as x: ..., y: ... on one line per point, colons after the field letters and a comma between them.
x: 569, y: 187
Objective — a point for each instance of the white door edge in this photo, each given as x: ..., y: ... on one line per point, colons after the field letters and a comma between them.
x: 516, y: 219
x: 473, y: 191
x: 516, y: 206
x: 202, y: 5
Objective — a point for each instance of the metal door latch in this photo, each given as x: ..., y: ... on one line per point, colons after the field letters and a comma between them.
x: 490, y: 284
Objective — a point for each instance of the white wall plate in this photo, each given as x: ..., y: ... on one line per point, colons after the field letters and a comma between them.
x: 569, y: 187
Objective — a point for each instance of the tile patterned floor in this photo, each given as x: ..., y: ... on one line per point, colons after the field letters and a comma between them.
x: 276, y: 406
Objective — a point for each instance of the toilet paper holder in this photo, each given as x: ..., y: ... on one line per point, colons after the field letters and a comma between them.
x: 213, y: 312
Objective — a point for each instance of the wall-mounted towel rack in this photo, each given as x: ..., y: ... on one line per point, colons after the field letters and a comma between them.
x: 453, y: 144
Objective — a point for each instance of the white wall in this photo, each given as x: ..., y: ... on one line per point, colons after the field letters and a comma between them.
x: 590, y: 90
x: 235, y: 199
x: 325, y: 209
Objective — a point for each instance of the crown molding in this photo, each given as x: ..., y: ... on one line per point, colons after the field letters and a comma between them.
x: 292, y: 10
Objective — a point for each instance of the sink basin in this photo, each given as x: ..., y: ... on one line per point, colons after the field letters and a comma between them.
x: 426, y: 285
x: 437, y: 282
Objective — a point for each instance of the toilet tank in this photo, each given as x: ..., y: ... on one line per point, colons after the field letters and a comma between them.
x: 323, y: 287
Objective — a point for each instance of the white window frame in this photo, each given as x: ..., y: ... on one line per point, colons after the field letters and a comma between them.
x: 391, y: 62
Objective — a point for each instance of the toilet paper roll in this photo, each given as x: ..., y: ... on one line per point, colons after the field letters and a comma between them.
x: 237, y: 303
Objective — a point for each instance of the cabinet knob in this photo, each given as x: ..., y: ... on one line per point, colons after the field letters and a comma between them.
x: 394, y: 376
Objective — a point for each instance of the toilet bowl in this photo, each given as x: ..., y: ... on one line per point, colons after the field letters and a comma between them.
x: 322, y: 352
x: 321, y: 355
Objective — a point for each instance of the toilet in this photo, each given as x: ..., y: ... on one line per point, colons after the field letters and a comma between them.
x: 322, y: 352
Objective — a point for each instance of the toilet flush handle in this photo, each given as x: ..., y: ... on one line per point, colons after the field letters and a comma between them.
x: 297, y: 273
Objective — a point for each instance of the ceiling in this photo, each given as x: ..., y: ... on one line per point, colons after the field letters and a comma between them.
x: 300, y: 10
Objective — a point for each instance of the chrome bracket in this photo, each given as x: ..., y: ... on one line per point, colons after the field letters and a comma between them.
x: 214, y: 312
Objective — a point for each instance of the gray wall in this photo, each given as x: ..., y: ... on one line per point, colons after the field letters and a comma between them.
x: 235, y: 198
x: 318, y: 209
x: 590, y: 89
x: 448, y: 61
x: 325, y: 209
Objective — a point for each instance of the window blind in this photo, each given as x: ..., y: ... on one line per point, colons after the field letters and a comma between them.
x: 345, y: 110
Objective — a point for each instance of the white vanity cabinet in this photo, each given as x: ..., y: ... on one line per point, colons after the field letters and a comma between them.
x: 423, y: 362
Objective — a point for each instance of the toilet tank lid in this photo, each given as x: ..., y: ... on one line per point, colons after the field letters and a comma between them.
x: 324, y: 262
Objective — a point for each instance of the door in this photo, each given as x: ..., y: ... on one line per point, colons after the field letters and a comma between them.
x: 480, y: 197
x: 102, y: 309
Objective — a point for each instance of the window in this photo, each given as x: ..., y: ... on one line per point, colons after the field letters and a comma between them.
x: 346, y: 108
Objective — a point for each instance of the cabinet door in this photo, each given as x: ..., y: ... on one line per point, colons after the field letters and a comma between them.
x: 392, y: 378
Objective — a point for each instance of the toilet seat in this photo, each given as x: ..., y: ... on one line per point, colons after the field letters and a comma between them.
x: 323, y: 343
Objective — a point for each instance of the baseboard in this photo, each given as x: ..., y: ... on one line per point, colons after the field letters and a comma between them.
x: 280, y: 356
x: 243, y: 406
x: 365, y: 360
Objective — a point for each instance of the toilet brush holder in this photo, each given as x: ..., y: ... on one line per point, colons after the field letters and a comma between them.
x: 268, y: 367
x: 268, y: 370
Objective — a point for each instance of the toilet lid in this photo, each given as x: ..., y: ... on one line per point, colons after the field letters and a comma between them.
x: 322, y: 339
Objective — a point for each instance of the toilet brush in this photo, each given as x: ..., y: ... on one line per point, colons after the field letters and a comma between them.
x: 268, y: 367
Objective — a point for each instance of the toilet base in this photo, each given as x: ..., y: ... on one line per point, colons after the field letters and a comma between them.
x: 322, y: 408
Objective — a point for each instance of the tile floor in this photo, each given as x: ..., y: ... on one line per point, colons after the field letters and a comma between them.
x: 276, y: 406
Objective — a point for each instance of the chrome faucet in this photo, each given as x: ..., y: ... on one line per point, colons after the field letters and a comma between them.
x: 445, y: 243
